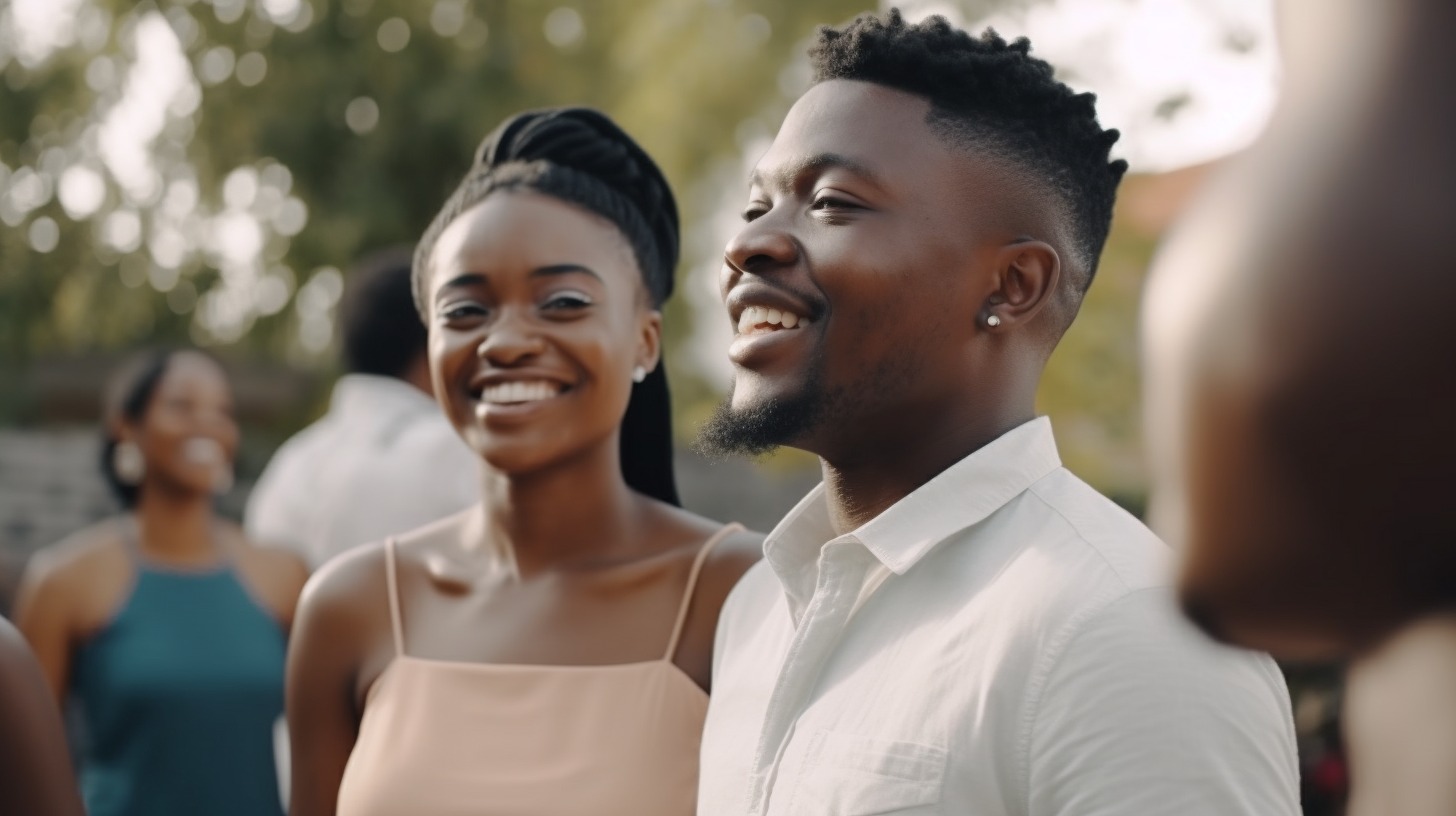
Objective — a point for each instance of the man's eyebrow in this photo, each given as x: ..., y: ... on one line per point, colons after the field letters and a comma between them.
x: 785, y: 175
x: 562, y: 269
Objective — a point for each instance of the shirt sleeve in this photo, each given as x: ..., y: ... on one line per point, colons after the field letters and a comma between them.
x: 274, y: 515
x: 1142, y: 714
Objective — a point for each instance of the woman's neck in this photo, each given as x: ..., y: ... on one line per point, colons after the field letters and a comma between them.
x: 175, y: 526
x: 576, y: 513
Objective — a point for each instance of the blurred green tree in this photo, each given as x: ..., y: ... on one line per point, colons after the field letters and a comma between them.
x: 200, y: 169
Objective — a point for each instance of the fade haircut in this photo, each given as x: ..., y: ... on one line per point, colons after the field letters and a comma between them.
x: 994, y: 97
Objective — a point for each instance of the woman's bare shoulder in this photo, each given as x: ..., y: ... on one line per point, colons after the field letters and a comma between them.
x: 93, y: 550
x: 731, y: 556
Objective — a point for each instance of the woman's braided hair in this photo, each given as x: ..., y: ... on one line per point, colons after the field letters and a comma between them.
x: 581, y: 157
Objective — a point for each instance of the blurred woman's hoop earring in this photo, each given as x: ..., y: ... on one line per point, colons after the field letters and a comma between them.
x: 128, y: 463
x: 993, y: 321
x: 639, y: 374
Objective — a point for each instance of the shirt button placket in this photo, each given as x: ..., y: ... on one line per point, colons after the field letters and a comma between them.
x: 842, y: 569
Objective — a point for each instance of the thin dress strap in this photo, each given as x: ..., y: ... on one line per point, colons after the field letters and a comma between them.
x: 687, y: 601
x: 393, y: 583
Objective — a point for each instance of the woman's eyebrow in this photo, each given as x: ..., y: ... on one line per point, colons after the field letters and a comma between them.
x: 467, y: 279
x: 562, y: 269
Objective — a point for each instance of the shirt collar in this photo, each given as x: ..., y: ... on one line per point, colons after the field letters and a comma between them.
x: 962, y: 495
x: 373, y: 395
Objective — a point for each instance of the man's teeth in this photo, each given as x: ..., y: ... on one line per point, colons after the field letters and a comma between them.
x: 774, y: 318
x: 519, y: 391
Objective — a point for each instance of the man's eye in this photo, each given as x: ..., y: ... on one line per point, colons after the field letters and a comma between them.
x: 567, y: 301
x: 831, y: 203
x: 754, y: 211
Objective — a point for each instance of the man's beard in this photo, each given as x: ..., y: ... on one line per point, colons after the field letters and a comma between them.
x: 757, y: 429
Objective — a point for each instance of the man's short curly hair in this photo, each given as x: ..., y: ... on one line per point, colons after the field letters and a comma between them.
x: 995, y: 97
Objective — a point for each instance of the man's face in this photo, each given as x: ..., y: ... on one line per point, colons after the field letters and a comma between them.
x: 858, y: 276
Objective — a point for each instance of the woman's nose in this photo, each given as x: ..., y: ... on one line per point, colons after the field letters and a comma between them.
x: 511, y: 341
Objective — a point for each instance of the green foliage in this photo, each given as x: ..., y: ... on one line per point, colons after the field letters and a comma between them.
x: 679, y: 74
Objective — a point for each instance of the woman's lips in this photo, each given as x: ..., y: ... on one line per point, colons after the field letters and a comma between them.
x: 516, y: 398
x: 200, y: 450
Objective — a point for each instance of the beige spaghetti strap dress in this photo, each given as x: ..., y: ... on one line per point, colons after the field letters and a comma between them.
x: 447, y: 738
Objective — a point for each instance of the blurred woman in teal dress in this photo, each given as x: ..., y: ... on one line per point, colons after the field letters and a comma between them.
x: 163, y: 624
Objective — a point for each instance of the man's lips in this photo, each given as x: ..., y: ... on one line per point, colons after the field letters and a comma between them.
x: 758, y: 307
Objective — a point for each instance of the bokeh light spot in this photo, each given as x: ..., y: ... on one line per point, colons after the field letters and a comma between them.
x: 362, y: 115
x: 563, y: 27
x: 251, y: 69
x: 45, y: 234
x: 82, y: 190
x: 393, y: 35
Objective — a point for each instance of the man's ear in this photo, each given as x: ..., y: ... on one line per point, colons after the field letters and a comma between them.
x: 1028, y: 275
x: 649, y: 352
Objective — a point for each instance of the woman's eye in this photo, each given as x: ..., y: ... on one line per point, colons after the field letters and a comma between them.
x: 463, y: 311
x: 830, y: 202
x: 567, y: 301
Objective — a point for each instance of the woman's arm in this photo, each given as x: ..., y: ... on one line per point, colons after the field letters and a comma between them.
x: 35, y: 770
x: 334, y: 630
x: 43, y: 611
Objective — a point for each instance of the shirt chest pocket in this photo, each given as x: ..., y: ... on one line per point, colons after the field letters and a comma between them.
x: 850, y: 775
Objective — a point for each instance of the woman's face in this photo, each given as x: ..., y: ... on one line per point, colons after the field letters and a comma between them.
x: 537, y: 317
x: 187, y: 435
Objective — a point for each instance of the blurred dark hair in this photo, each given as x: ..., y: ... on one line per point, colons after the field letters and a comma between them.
x: 581, y: 157
x: 381, y: 331
x: 128, y: 394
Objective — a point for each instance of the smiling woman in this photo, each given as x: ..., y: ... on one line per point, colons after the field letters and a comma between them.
x: 550, y: 650
x: 164, y: 624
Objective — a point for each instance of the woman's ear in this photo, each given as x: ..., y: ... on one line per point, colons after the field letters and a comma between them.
x: 649, y: 349
x: 121, y: 430
x: 1028, y: 275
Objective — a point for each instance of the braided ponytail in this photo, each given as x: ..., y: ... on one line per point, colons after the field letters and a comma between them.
x: 580, y: 156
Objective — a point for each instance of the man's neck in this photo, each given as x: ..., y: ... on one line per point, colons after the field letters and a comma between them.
x: 874, y: 473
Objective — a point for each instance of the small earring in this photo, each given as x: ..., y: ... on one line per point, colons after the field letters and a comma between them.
x: 128, y: 463
x: 993, y: 321
x: 639, y: 374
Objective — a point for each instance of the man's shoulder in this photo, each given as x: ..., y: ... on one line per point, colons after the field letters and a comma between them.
x: 1112, y: 543
x: 751, y: 599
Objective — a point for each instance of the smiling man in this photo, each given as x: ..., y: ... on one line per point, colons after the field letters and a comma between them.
x: 952, y: 623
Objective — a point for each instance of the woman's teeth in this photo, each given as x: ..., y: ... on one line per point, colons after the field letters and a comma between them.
x: 528, y: 391
x: 773, y: 319
x: 200, y: 450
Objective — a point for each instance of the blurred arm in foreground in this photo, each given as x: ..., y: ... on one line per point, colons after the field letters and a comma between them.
x: 1301, y: 400
x: 35, y: 772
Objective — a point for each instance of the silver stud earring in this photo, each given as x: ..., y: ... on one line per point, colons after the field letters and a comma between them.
x: 993, y: 321
x: 639, y: 374
x: 128, y: 463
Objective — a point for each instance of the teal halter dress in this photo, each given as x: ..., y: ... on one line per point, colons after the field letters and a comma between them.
x: 178, y: 696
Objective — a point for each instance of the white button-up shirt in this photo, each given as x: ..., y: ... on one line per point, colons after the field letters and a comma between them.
x: 383, y: 460
x: 1000, y: 641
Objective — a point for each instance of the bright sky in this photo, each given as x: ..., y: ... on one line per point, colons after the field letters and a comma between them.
x: 1186, y: 81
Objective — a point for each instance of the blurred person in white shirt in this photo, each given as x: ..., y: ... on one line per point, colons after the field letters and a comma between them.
x: 952, y: 623
x: 384, y: 459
